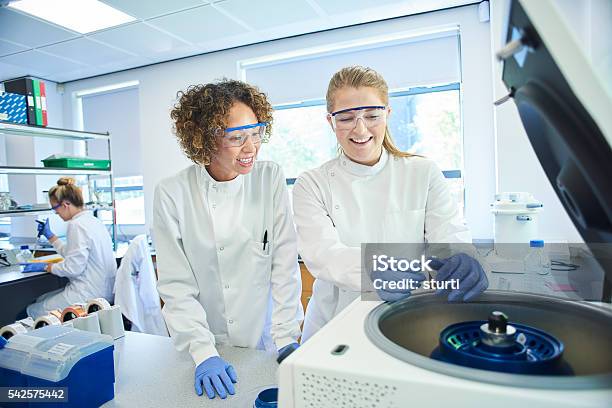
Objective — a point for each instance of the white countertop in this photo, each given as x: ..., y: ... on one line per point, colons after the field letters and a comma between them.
x: 150, y: 372
x: 13, y: 273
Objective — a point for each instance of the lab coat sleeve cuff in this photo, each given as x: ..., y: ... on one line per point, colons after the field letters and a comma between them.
x: 59, y: 246
x: 280, y: 343
x: 203, y: 353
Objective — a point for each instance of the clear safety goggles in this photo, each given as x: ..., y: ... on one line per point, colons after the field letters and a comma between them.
x: 346, y: 119
x: 237, y: 136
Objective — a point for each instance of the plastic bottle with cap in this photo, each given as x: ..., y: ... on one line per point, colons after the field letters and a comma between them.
x: 536, y: 260
x: 24, y: 255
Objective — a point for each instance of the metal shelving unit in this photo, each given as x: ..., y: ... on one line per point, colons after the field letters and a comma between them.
x: 18, y: 213
x: 13, y: 129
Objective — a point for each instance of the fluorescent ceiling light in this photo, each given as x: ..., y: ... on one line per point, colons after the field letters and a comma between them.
x: 83, y: 16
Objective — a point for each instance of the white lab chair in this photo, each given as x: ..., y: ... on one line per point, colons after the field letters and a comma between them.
x: 136, y: 290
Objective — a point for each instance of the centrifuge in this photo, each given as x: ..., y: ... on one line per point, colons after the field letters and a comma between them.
x: 376, y: 354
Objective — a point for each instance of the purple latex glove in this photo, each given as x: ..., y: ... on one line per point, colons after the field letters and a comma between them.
x: 44, y: 229
x: 467, y: 270
x: 215, y: 374
x: 284, y: 352
x: 34, y: 267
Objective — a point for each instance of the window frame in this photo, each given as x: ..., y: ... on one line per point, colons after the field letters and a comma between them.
x: 107, y: 189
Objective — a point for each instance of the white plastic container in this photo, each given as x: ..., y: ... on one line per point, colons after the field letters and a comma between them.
x: 516, y: 222
x: 516, y: 217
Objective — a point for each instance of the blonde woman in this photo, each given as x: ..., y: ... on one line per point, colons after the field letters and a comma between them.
x: 89, y: 263
x: 372, y: 192
x: 224, y: 235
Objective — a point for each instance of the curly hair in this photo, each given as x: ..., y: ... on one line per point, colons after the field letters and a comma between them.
x: 203, y: 109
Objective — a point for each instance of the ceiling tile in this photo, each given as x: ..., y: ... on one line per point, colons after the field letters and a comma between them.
x: 140, y: 39
x: 28, y: 31
x: 198, y: 25
x: 104, y: 69
x: 264, y: 14
x: 86, y: 51
x: 42, y: 63
x: 152, y: 8
x: 7, y: 47
x: 348, y: 6
x: 8, y: 71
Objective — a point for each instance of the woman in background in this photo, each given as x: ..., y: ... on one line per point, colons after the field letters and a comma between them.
x: 89, y: 262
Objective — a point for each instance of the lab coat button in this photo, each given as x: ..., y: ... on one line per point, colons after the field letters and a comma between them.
x: 221, y: 249
x: 337, y: 207
x: 214, y: 206
x: 226, y: 286
x: 214, y: 186
x: 332, y: 174
x: 230, y: 321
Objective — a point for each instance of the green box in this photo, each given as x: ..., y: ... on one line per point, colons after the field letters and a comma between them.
x: 74, y: 163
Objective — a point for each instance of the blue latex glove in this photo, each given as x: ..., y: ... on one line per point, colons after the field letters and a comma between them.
x: 472, y: 278
x: 44, y: 229
x: 34, y: 267
x: 215, y: 374
x: 3, y: 342
x: 284, y: 352
x: 393, y: 295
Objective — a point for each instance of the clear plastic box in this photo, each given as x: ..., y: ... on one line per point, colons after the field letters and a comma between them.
x: 59, y: 356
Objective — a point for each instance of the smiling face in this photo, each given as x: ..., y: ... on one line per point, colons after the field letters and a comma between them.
x: 229, y: 162
x: 362, y: 144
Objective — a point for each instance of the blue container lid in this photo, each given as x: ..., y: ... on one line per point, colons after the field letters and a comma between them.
x: 537, y: 243
x: 267, y: 398
x: 24, y: 247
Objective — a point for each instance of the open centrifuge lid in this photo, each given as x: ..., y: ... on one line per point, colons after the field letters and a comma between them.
x: 565, y: 110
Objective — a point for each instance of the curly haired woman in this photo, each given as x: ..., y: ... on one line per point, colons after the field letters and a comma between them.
x: 224, y: 235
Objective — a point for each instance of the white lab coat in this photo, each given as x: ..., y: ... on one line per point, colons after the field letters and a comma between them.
x: 136, y: 291
x: 89, y: 264
x: 342, y: 204
x: 215, y: 278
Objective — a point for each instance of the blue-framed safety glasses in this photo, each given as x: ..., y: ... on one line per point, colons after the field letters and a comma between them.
x: 237, y: 136
x: 346, y: 119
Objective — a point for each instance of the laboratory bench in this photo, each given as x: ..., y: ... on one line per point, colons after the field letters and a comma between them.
x: 18, y: 290
x: 150, y: 372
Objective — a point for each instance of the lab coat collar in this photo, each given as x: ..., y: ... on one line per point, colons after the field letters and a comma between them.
x: 363, y: 170
x: 82, y: 213
x: 227, y: 187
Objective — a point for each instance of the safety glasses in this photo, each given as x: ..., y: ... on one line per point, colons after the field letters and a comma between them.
x: 237, y: 136
x: 346, y: 119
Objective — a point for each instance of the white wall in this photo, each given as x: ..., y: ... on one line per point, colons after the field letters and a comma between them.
x: 116, y: 113
x: 159, y: 84
x: 518, y: 168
